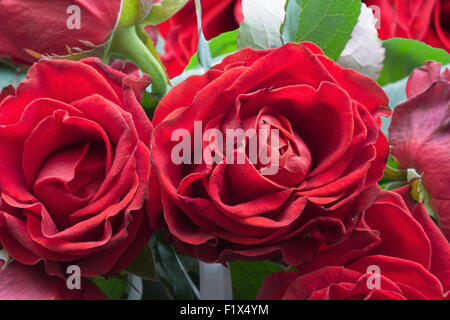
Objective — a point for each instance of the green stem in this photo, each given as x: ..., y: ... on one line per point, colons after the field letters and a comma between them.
x: 394, y: 174
x: 127, y: 44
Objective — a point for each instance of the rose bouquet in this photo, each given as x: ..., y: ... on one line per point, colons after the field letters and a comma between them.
x: 218, y: 149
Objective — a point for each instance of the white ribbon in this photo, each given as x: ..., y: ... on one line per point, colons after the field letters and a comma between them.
x: 215, y: 282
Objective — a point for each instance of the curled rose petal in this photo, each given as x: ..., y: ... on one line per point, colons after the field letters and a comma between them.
x: 420, y: 135
x: 379, y: 260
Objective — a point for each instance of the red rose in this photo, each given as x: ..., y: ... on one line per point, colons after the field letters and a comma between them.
x: 394, y: 253
x: 180, y: 32
x: 329, y: 149
x: 43, y: 27
x: 75, y: 168
x: 64, y: 28
x: 423, y: 20
x: 420, y: 135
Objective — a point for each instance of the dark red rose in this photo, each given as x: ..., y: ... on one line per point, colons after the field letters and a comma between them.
x: 423, y: 20
x: 420, y: 135
x: 75, y: 168
x: 330, y: 149
x: 180, y: 32
x: 405, y: 247
x: 21, y: 282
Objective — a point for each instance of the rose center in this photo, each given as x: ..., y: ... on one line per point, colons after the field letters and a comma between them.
x: 283, y: 156
x: 69, y: 179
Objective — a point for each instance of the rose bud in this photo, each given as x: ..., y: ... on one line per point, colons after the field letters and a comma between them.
x: 424, y: 20
x: 74, y: 30
x: 395, y: 253
x: 420, y: 139
x: 75, y: 152
x: 316, y: 145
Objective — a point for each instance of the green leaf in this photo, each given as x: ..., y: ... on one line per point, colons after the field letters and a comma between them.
x: 114, y: 288
x: 404, y: 55
x: 144, y: 265
x: 262, y: 24
x: 290, y: 26
x: 172, y: 275
x: 327, y: 23
x: 153, y: 290
x: 247, y: 277
x: 10, y: 76
x: 223, y: 44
